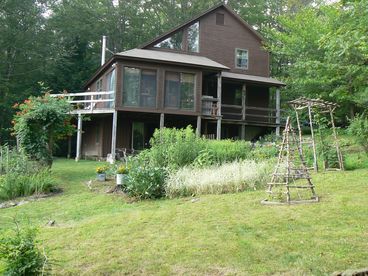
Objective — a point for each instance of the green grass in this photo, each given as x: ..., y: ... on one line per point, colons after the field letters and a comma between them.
x: 228, y: 234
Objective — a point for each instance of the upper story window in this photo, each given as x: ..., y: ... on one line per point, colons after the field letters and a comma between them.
x: 220, y: 19
x: 193, y: 38
x: 241, y: 59
x: 179, y: 90
x: 139, y: 87
x: 174, y: 42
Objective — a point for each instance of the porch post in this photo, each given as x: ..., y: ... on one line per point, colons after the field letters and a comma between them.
x: 162, y: 120
x: 244, y: 95
x: 278, y: 112
x: 79, y: 138
x: 199, y: 126
x: 219, y: 89
x: 113, y: 136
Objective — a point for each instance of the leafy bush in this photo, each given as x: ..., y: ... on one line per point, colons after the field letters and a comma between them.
x: 227, y: 178
x: 228, y: 150
x: 39, y: 123
x: 174, y: 148
x: 359, y: 129
x: 13, y: 161
x: 264, y: 151
x: 353, y: 161
x: 145, y: 180
x: 21, y: 253
x: 14, y: 185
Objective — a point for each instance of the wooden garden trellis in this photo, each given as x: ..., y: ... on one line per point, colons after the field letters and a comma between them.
x: 290, y: 182
x: 321, y: 106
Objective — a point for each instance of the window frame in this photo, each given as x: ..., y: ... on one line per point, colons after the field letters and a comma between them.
x: 140, y: 78
x: 236, y: 58
x: 194, y: 90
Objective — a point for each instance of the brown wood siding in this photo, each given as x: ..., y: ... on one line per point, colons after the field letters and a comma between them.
x: 218, y: 42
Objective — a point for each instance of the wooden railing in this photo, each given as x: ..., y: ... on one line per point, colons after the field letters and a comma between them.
x: 90, y: 102
x: 238, y: 113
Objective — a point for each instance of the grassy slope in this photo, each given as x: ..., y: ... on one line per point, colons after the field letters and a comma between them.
x: 219, y: 234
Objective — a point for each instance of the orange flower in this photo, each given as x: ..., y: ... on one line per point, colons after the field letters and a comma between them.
x: 16, y: 105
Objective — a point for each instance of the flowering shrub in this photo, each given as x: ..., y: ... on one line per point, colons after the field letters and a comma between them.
x: 39, y: 123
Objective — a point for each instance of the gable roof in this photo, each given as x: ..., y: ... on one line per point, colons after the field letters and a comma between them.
x: 172, y: 58
x: 196, y: 18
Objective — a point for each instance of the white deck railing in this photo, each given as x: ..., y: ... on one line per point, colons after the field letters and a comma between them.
x: 90, y: 102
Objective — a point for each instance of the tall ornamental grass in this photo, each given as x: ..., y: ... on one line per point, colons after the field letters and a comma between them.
x: 226, y: 178
x: 14, y: 185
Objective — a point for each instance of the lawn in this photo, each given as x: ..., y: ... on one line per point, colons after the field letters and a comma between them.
x: 232, y: 234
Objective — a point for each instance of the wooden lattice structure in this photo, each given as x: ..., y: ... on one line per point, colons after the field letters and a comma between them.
x: 320, y: 106
x: 290, y: 182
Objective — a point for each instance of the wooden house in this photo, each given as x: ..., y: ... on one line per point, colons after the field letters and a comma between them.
x: 211, y: 72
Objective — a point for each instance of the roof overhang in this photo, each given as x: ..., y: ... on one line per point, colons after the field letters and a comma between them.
x: 160, y: 57
x: 253, y: 79
x: 172, y: 58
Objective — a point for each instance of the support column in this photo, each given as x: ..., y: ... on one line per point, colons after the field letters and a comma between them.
x: 278, y: 112
x: 244, y: 110
x: 219, y: 116
x: 79, y: 138
x: 162, y: 120
x: 113, y: 136
x: 199, y: 126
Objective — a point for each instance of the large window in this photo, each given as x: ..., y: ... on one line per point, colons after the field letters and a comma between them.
x: 139, y: 87
x: 179, y: 90
x: 193, y: 38
x: 241, y: 59
x: 173, y: 42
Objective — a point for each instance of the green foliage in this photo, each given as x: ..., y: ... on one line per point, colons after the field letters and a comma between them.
x: 145, y: 180
x: 174, y: 148
x: 14, y: 185
x: 358, y: 128
x: 357, y: 160
x: 227, y: 150
x: 322, y: 52
x: 13, y: 161
x: 21, y: 252
x: 40, y: 123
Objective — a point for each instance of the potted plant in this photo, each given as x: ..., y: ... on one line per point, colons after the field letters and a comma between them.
x: 101, y: 173
x: 121, y: 174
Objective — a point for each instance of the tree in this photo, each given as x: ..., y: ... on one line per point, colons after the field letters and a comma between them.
x: 40, y: 123
x: 322, y: 52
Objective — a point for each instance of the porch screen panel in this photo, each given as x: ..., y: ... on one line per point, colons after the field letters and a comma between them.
x: 131, y: 86
x: 148, y: 88
x: 110, y: 87
x: 179, y: 90
x: 172, y: 90
x: 187, y: 91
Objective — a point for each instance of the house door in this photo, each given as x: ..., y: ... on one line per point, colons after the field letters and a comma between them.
x: 138, y: 135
